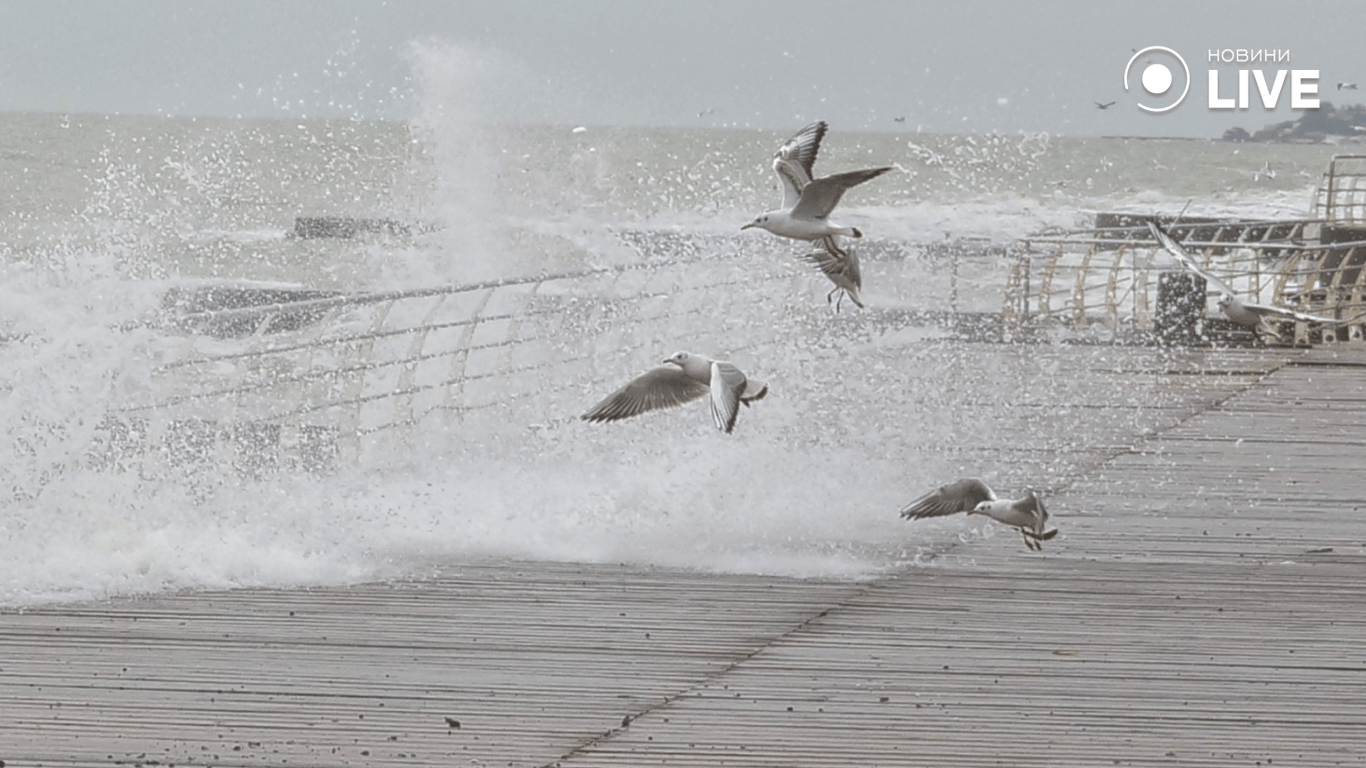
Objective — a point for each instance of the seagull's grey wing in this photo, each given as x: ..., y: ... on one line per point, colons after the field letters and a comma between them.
x: 821, y: 196
x: 1170, y: 245
x: 961, y: 496
x: 1263, y: 310
x: 727, y: 386
x: 664, y: 387
x: 794, y: 160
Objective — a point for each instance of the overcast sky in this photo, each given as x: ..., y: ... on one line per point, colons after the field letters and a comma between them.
x: 961, y: 67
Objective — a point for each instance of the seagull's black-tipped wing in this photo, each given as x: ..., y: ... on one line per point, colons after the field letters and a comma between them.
x: 663, y: 387
x: 795, y: 159
x: 961, y: 496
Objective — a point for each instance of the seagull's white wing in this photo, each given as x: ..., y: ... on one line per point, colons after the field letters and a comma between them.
x: 961, y: 496
x: 1170, y: 245
x: 794, y: 160
x: 821, y: 196
x: 727, y: 386
x: 664, y: 387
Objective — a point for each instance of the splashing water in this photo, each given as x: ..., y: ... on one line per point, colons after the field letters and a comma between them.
x: 866, y: 409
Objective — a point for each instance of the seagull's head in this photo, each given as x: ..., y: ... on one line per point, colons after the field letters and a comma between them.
x: 761, y: 222
x: 1224, y: 301
x: 679, y: 359
x: 981, y: 509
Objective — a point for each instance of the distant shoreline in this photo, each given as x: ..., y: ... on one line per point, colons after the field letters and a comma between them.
x: 1159, y: 138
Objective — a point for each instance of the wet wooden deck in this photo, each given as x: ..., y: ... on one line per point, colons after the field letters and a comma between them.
x: 1203, y: 606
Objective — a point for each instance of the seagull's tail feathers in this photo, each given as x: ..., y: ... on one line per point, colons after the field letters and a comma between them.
x: 754, y: 390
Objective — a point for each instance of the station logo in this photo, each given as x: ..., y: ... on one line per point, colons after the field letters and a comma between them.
x: 1158, y: 70
x: 1157, y: 77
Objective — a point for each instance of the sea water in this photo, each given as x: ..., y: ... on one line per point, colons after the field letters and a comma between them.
x: 102, y: 215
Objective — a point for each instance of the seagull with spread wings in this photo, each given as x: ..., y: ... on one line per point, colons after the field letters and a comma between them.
x: 808, y: 201
x: 807, y: 204
x: 1255, y: 317
x: 682, y: 378
x: 1026, y: 515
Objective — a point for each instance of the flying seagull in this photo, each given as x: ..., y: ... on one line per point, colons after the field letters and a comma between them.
x: 1253, y: 316
x: 841, y: 266
x: 808, y: 201
x: 1106, y: 105
x: 682, y: 378
x: 1026, y: 515
x: 1347, y: 86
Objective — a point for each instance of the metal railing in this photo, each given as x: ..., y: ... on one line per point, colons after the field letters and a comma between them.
x: 1341, y: 196
x: 1101, y: 280
x: 367, y: 365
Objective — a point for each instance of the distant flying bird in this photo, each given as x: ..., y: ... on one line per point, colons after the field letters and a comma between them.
x: 808, y: 201
x: 708, y: 111
x: 684, y: 377
x: 841, y: 266
x: 899, y: 119
x: 1026, y: 515
x: 1255, y: 317
x: 1106, y: 105
x: 1347, y: 86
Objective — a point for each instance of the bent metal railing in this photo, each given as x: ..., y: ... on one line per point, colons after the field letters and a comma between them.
x: 339, y: 386
x: 1100, y: 282
x: 349, y: 373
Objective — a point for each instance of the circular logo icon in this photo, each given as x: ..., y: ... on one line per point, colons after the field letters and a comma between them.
x: 1156, y: 76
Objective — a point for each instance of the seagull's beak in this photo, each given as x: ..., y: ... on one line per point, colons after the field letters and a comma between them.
x: 747, y: 226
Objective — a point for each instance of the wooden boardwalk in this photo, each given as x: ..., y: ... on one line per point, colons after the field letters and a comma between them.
x: 1203, y: 606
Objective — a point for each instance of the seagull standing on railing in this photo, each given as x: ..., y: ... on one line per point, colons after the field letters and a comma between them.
x: 1253, y: 316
